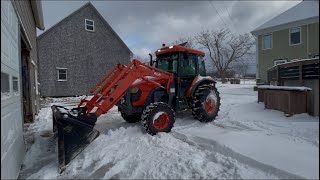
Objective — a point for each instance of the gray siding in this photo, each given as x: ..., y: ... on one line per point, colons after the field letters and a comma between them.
x: 87, y: 55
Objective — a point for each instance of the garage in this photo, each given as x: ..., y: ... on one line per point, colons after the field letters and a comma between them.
x: 19, y: 20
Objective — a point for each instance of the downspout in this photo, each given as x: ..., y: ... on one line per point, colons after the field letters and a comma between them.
x: 307, y: 41
x: 257, y: 60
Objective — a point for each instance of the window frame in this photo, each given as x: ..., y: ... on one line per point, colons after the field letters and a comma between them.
x: 263, y: 41
x: 58, y: 69
x: 300, y: 30
x: 85, y: 25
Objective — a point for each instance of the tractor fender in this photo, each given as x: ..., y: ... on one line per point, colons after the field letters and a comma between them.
x: 197, y: 81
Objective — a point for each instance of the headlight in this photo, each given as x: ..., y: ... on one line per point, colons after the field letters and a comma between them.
x: 134, y: 90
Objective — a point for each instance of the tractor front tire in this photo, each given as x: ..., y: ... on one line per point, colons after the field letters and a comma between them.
x: 131, y: 118
x: 205, y: 103
x: 158, y: 117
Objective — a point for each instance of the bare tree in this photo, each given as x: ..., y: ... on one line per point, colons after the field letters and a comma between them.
x: 241, y: 68
x: 224, y: 47
x: 190, y: 41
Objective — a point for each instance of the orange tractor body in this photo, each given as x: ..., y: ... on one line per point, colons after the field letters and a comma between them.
x: 151, y: 94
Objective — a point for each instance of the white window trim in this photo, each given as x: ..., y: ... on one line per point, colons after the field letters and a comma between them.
x: 290, y: 36
x: 58, y: 68
x: 263, y: 42
x: 85, y: 25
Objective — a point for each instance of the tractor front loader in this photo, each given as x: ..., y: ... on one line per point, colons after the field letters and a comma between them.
x: 74, y: 127
x: 151, y: 94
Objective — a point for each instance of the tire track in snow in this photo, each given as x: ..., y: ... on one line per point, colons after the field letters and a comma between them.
x: 212, y: 145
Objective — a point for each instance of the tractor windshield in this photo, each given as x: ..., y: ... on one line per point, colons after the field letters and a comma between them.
x: 168, y: 62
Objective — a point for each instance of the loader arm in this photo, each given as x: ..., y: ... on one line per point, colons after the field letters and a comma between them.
x: 75, y: 127
x: 113, y: 86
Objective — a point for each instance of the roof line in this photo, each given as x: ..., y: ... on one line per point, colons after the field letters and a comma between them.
x: 59, y: 22
x: 114, y: 33
x: 101, y: 17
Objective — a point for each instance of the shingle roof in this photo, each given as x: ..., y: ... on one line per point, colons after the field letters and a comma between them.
x: 304, y: 10
x: 82, y: 7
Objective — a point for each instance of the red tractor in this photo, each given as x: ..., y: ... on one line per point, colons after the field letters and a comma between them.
x: 175, y: 81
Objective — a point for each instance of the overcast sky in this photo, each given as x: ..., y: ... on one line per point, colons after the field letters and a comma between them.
x: 145, y: 25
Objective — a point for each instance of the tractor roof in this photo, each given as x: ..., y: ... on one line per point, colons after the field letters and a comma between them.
x: 178, y: 48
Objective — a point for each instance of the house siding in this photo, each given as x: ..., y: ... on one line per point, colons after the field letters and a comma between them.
x: 281, y: 48
x: 87, y: 55
x: 313, y: 39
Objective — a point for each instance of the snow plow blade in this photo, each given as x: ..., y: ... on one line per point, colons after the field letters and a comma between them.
x: 74, y: 131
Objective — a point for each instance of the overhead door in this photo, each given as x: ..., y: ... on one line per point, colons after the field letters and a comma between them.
x: 12, y: 144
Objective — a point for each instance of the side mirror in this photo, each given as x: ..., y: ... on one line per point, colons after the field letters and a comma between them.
x: 185, y: 55
x: 151, y: 61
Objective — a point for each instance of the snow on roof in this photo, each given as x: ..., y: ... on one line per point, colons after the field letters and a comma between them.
x: 296, y: 60
x: 303, y: 10
x: 292, y: 88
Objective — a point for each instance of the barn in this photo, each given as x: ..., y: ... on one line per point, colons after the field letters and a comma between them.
x: 76, y: 52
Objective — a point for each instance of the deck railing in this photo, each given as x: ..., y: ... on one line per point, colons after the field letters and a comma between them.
x: 304, y: 69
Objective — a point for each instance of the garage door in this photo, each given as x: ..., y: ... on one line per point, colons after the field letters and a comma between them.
x: 12, y: 144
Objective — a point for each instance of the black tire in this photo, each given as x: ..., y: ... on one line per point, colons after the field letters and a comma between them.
x: 198, y: 101
x: 148, y: 115
x: 131, y: 118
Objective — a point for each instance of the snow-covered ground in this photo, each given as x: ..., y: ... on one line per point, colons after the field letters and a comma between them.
x: 246, y: 141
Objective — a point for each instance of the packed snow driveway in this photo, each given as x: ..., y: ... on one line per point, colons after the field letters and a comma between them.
x: 244, y: 142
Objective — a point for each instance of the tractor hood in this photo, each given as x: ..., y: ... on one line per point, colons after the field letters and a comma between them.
x: 140, y: 83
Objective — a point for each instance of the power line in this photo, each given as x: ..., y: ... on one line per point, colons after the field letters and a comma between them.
x: 219, y: 15
x: 229, y: 16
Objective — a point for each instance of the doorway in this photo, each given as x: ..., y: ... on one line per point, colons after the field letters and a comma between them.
x: 25, y: 73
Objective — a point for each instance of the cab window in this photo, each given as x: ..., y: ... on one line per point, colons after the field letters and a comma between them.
x: 201, y: 64
x: 188, y: 67
x: 168, y: 62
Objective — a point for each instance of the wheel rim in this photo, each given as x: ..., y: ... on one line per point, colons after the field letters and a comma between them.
x: 210, y: 103
x: 161, y: 120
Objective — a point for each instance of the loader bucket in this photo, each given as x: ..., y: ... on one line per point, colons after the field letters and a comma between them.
x: 74, y: 133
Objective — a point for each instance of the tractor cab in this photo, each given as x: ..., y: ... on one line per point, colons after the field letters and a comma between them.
x: 185, y: 63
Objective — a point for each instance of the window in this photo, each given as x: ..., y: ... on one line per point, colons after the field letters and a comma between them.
x: 202, y: 68
x: 15, y: 87
x: 62, y: 74
x: 168, y: 62
x: 89, y: 25
x: 295, y: 36
x: 188, y: 66
x: 5, y: 85
x: 267, y: 41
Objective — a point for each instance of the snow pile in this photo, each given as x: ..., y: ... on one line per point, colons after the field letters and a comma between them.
x: 293, y: 88
x: 65, y: 99
x: 244, y: 142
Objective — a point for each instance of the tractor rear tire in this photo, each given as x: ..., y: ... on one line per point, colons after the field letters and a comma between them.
x: 205, y: 103
x: 158, y: 117
x: 131, y: 118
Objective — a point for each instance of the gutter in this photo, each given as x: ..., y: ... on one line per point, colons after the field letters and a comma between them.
x: 37, y: 13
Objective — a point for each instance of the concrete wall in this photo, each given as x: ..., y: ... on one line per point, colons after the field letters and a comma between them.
x: 87, y: 55
x: 281, y: 49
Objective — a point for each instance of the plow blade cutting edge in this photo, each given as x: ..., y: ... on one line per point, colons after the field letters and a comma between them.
x: 74, y: 131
